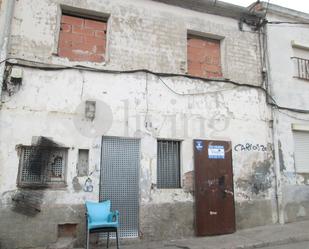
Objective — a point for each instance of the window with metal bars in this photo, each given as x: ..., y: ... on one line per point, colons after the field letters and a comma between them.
x: 168, y: 166
x: 42, y: 166
x: 302, y: 68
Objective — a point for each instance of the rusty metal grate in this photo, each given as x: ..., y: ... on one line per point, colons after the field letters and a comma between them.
x: 168, y: 166
x: 31, y: 165
x: 42, y: 165
x: 302, y: 68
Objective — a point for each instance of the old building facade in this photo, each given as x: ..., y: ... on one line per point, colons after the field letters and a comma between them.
x: 111, y: 99
x: 287, y: 40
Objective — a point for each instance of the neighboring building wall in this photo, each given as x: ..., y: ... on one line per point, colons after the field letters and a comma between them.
x: 289, y: 91
x: 139, y: 35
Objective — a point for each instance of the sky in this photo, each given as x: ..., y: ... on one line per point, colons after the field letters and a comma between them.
x: 301, y: 5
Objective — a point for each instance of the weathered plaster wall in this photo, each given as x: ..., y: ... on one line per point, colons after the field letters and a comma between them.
x: 50, y: 103
x: 51, y: 100
x: 141, y: 34
x: 282, y: 72
x: 288, y: 91
x: 294, y: 185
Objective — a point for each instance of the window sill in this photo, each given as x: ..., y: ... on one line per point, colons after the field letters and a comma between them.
x: 56, y: 59
x: 207, y: 78
x: 51, y: 186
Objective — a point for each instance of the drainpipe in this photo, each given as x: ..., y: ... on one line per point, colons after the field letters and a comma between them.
x: 6, y: 16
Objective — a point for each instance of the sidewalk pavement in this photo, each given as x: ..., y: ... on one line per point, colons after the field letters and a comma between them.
x: 257, y: 237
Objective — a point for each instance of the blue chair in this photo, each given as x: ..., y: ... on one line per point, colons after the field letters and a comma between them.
x: 101, y: 219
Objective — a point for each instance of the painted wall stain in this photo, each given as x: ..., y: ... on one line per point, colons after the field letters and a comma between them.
x: 260, y: 180
x: 27, y: 202
x: 305, y: 177
x: 76, y: 185
x: 281, y: 160
x: 188, y: 182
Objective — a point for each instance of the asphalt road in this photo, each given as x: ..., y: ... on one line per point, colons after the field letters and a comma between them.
x: 300, y: 245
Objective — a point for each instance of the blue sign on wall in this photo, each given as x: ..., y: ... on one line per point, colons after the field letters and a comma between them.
x: 199, y: 145
x: 216, y: 152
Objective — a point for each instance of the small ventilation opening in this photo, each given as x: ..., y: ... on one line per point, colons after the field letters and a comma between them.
x: 67, y: 230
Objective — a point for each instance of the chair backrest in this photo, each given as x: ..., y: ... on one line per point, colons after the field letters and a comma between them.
x: 98, y: 211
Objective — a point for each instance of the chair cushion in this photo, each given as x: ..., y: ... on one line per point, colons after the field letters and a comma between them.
x: 93, y: 225
x: 98, y: 212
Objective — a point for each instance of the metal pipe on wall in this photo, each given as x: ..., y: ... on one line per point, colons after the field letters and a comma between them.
x: 6, y: 17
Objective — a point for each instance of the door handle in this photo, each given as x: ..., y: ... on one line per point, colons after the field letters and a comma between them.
x: 228, y: 192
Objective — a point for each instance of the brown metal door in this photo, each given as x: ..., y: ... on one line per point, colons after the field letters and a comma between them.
x: 214, y: 193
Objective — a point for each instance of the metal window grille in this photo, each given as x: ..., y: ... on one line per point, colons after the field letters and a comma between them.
x: 120, y: 180
x: 302, y: 68
x: 42, y: 165
x: 168, y: 166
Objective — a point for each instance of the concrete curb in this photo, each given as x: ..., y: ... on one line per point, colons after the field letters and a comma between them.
x: 274, y: 243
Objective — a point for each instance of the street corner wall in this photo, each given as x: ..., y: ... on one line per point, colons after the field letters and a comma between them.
x: 295, y: 184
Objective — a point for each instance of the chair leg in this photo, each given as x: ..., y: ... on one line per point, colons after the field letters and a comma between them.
x: 107, y: 239
x: 117, y: 239
x: 87, y: 240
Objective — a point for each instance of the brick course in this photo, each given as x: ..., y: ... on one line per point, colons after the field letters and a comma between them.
x: 204, y: 57
x: 82, y: 39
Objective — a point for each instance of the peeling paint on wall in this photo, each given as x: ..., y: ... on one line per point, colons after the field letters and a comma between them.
x: 188, y: 182
x: 281, y: 159
x: 76, y: 185
x: 260, y: 180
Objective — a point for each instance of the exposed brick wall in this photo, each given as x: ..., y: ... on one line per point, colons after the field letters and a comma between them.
x: 204, y: 57
x: 82, y: 39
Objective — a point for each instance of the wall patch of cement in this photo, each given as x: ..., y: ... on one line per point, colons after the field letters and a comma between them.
x: 188, y: 182
x: 296, y: 211
x: 296, y: 202
x: 253, y: 213
x: 260, y: 180
x: 167, y: 220
x: 42, y: 229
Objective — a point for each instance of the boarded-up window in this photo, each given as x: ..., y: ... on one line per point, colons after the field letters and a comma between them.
x: 204, y: 59
x: 168, y: 166
x: 42, y: 166
x: 82, y: 39
x: 301, y: 151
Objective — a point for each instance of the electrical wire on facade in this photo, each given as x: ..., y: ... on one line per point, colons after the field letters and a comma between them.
x: 267, y: 6
x: 292, y: 116
x: 277, y: 22
x: 45, y: 66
